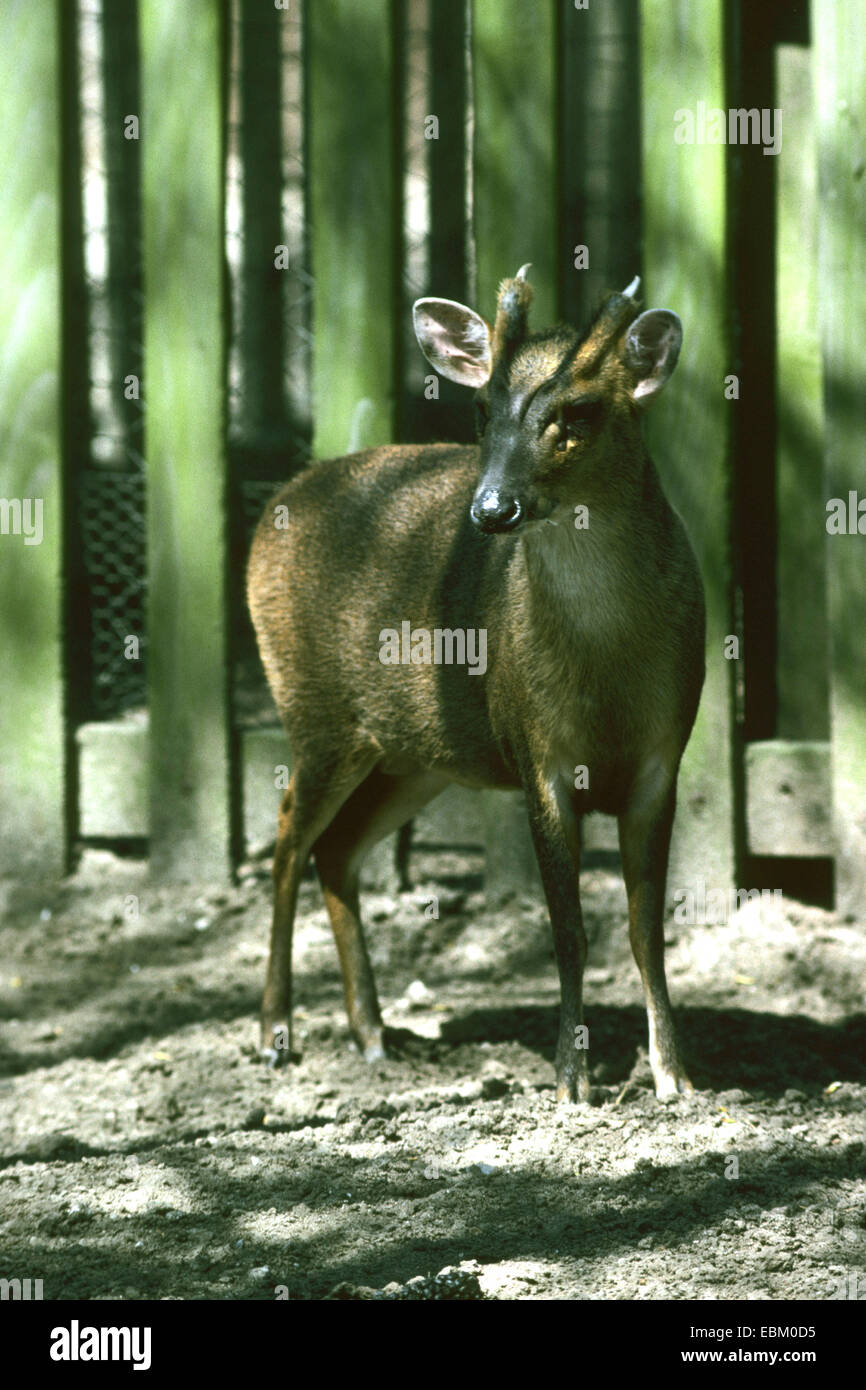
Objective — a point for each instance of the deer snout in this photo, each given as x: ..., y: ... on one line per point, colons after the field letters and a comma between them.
x: 494, y: 510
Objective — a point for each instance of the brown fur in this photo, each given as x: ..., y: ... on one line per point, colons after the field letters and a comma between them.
x: 594, y: 652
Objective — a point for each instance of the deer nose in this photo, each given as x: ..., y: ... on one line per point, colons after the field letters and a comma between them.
x: 493, y: 510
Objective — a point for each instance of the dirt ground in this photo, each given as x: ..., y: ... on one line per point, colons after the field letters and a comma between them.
x: 146, y: 1153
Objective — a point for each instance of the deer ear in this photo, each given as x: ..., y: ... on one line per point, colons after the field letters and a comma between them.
x: 650, y: 351
x: 454, y: 339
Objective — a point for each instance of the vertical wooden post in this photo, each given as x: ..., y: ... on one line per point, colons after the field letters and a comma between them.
x: 514, y: 208
x: 750, y: 255
x: 32, y: 750
x: 802, y: 680
x: 184, y: 389
x: 451, y: 415
x: 353, y: 222
x: 687, y: 429
x: 514, y: 66
x: 840, y: 68
x: 120, y: 78
x: 261, y: 319
x: 448, y: 154
x: 599, y: 172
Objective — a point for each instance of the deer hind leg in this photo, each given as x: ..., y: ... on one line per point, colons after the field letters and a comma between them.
x: 644, y: 837
x: 555, y: 829
x: 380, y: 805
x: 315, y: 794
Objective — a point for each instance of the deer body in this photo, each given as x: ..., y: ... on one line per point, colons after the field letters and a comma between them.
x: 594, y: 650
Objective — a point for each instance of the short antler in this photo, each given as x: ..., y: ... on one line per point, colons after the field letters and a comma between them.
x: 515, y: 297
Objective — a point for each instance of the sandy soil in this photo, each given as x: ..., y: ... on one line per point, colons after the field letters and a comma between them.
x: 146, y: 1153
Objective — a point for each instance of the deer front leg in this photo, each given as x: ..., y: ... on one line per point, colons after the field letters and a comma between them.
x: 644, y: 838
x: 556, y: 834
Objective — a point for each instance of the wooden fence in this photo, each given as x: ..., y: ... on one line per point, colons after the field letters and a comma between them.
x: 277, y: 202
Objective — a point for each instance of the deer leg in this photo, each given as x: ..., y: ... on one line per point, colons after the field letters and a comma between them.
x: 644, y: 837
x: 376, y: 808
x: 310, y: 802
x: 556, y: 835
x: 403, y: 856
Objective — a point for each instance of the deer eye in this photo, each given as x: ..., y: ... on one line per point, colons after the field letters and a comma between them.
x: 482, y: 416
x: 577, y: 423
x: 570, y: 432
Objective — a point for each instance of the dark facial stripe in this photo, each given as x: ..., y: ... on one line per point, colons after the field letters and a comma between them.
x: 599, y: 335
x: 606, y: 322
x: 563, y: 367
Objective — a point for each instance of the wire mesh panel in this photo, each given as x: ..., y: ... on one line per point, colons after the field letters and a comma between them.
x: 109, y: 483
x: 111, y: 516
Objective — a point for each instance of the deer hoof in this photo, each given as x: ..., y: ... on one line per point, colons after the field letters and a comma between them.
x: 673, y: 1086
x: 575, y: 1091
x: 276, y: 1044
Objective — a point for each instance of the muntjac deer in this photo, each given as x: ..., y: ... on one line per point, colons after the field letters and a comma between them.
x: 551, y: 548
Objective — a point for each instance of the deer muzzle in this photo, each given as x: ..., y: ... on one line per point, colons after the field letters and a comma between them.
x: 494, y: 509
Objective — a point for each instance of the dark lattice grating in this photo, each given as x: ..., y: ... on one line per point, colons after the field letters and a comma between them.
x: 111, y: 508
x: 109, y: 549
